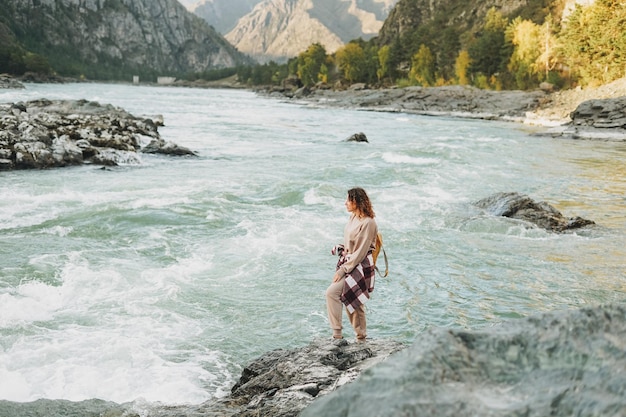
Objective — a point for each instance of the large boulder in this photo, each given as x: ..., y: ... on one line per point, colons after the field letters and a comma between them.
x: 8, y: 82
x: 602, y: 119
x: 568, y: 363
x: 601, y: 114
x: 45, y: 134
x: 521, y: 207
x: 282, y: 382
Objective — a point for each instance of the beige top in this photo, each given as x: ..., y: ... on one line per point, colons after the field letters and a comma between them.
x: 359, y: 237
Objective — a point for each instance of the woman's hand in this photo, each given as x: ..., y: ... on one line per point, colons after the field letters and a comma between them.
x: 337, y: 277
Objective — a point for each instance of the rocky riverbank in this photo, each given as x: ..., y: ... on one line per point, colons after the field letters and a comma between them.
x: 560, y: 363
x: 46, y: 134
x: 591, y: 113
x: 567, y: 363
x: 8, y: 82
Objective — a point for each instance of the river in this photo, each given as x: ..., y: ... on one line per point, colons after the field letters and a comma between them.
x: 156, y: 283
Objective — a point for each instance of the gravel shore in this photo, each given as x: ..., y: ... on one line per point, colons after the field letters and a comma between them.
x: 532, y: 107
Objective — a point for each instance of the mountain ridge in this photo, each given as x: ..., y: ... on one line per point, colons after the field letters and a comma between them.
x: 281, y: 29
x: 223, y: 15
x: 114, y: 38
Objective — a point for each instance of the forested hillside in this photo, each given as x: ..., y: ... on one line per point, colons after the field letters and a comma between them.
x: 109, y: 39
x: 495, y: 44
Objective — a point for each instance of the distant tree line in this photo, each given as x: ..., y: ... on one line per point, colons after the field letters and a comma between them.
x: 505, y: 54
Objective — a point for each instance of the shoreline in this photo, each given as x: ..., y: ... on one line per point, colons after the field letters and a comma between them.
x: 559, y: 113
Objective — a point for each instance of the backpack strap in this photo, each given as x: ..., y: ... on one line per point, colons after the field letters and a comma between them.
x: 382, y: 248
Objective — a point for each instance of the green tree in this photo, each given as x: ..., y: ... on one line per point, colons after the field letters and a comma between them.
x: 37, y: 63
x: 310, y: 64
x: 446, y: 50
x: 423, y: 67
x: 489, y: 52
x: 523, y: 64
x: 383, y: 62
x: 398, y: 62
x: 351, y: 61
x: 594, y: 42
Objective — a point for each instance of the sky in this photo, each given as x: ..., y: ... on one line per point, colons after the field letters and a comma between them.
x: 188, y: 3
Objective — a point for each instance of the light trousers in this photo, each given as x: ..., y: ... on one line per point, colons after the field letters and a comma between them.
x: 335, y: 308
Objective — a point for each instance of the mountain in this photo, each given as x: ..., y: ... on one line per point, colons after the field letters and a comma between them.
x: 466, y: 16
x: 223, y: 15
x: 408, y: 15
x: 189, y: 4
x: 109, y: 39
x: 281, y: 29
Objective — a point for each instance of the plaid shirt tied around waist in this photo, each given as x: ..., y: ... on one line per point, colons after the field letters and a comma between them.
x: 359, y: 283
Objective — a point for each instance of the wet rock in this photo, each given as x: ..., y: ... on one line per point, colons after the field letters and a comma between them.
x: 283, y: 382
x: 302, y: 92
x: 568, y: 363
x: 521, y: 207
x: 357, y: 137
x: 38, y: 77
x: 6, y: 81
x: 600, y: 119
x: 64, y: 408
x: 603, y: 114
x: 45, y: 134
x: 166, y: 148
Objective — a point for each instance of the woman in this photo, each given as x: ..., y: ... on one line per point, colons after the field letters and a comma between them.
x: 354, y: 277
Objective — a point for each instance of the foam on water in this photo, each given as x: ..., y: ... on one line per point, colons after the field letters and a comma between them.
x: 103, y: 335
x: 405, y: 159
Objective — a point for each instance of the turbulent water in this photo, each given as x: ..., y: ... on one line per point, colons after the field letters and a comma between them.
x: 156, y: 283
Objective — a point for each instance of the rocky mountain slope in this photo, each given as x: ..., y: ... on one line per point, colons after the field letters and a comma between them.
x: 223, y: 15
x: 104, y: 38
x: 281, y: 29
x: 408, y: 15
x: 466, y: 17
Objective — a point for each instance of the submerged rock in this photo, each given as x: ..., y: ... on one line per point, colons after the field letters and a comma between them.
x: 64, y: 408
x: 567, y: 363
x: 521, y: 207
x: 357, y: 137
x: 45, y: 134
